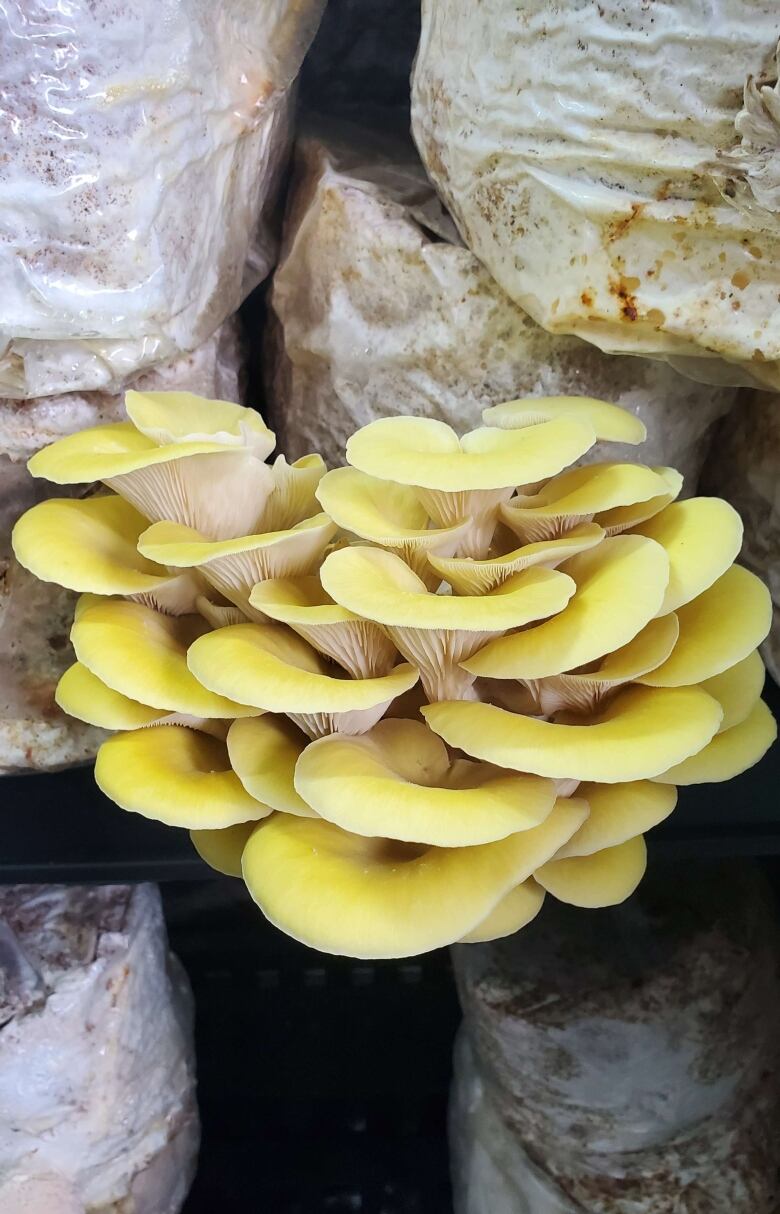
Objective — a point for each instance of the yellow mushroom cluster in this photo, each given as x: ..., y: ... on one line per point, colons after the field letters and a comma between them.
x: 407, y: 698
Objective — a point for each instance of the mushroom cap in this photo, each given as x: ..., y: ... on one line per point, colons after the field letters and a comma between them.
x: 351, y: 895
x: 619, y: 812
x: 175, y: 775
x: 83, y: 695
x: 102, y: 452
x: 609, y: 422
x: 717, y: 629
x: 263, y: 752
x: 737, y: 689
x: 280, y: 672
x: 515, y: 911
x: 143, y: 655
x: 630, y: 739
x: 603, y: 879
x: 397, y: 782
x: 469, y: 576
x: 378, y: 510
x: 425, y: 452
x: 729, y: 753
x: 222, y: 849
x: 293, y: 496
x: 623, y: 518
x: 620, y: 587
x: 183, y: 417
x: 702, y: 537
x: 381, y: 587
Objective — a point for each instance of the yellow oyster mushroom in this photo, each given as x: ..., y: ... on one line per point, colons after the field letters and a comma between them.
x: 515, y: 911
x: 631, y: 739
x: 717, y: 629
x: 294, y: 493
x: 737, y: 689
x: 702, y: 537
x: 620, y: 587
x: 351, y: 895
x: 729, y: 753
x: 578, y: 495
x: 175, y: 775
x: 398, y: 782
x: 624, y: 518
x: 263, y: 752
x: 359, y: 645
x: 278, y: 671
x: 234, y: 566
x: 183, y: 417
x: 438, y: 631
x: 83, y: 695
x: 605, y: 878
x: 618, y: 812
x: 610, y: 423
x: 217, y: 613
x: 222, y: 849
x: 466, y: 575
x: 143, y: 655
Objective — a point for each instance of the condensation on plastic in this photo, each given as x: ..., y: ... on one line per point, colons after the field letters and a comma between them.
x: 142, y: 144
x: 617, y: 168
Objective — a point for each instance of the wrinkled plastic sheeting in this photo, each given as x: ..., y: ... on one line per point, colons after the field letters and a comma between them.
x: 97, y: 1077
x: 626, y: 1061
x: 377, y: 308
x: 616, y: 168
x: 744, y: 467
x: 143, y: 147
x: 35, y: 616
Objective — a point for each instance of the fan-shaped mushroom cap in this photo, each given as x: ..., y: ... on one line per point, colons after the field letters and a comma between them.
x: 234, y: 566
x: 620, y: 587
x: 577, y: 495
x: 583, y: 691
x: 143, y: 655
x: 280, y: 672
x: 737, y: 689
x: 175, y: 775
x: 182, y: 417
x: 717, y: 629
x: 702, y: 536
x: 630, y: 739
x: 222, y: 849
x: 428, y: 453
x: 469, y: 576
x: 515, y: 910
x: 348, y: 894
x: 609, y: 422
x: 397, y: 781
x: 84, y: 696
x: 730, y: 753
x: 263, y: 752
x: 359, y: 645
x: 623, y: 518
x: 293, y: 496
x: 603, y: 879
x: 619, y: 812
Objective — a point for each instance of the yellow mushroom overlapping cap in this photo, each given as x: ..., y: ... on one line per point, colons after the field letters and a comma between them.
x: 408, y: 699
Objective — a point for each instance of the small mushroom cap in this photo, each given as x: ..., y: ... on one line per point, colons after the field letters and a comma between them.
x: 609, y: 422
x: 293, y: 496
x: 603, y: 879
x: 623, y: 518
x: 182, y: 417
x: 515, y: 911
x: 351, y: 895
x: 630, y: 739
x: 378, y: 510
x: 397, y: 782
x: 702, y: 537
x: 83, y: 695
x: 717, y: 629
x: 620, y: 587
x: 380, y: 586
x: 280, y: 672
x: 428, y: 453
x: 175, y: 775
x: 737, y: 689
x: 222, y: 849
x: 143, y: 655
x: 730, y: 753
x: 101, y: 452
x: 469, y: 576
x: 263, y: 752
x: 619, y: 812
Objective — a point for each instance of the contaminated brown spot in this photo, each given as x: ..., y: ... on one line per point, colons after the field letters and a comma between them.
x: 656, y: 317
x: 587, y: 299
x: 622, y: 289
x: 736, y: 305
x: 740, y: 279
x: 619, y: 227
x: 754, y: 251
